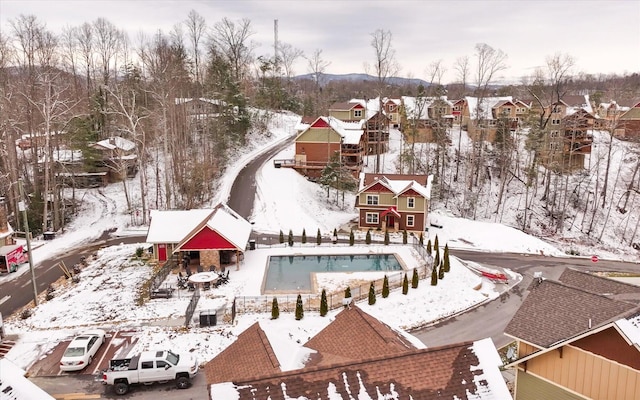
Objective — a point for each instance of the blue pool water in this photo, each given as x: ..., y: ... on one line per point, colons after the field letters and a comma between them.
x: 291, y: 273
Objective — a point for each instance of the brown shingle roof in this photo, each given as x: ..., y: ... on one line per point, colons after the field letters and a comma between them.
x: 553, y: 312
x: 355, y: 335
x: 600, y: 285
x: 249, y: 356
x: 445, y: 372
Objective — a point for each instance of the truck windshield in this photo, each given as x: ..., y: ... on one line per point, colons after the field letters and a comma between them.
x: 173, y: 358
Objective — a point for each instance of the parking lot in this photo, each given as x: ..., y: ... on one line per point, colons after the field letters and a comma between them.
x: 87, y: 384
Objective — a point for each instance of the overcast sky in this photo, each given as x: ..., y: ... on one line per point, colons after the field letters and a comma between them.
x: 602, y: 36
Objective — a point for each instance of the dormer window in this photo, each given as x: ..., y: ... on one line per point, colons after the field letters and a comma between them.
x: 357, y: 113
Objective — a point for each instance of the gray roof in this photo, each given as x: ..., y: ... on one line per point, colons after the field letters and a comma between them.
x: 600, y: 285
x: 554, y: 312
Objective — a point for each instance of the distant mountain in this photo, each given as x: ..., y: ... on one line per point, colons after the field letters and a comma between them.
x: 397, y: 81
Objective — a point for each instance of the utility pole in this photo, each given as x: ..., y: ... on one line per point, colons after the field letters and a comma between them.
x: 22, y: 207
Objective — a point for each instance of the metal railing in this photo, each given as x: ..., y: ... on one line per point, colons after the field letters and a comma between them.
x: 311, y: 302
x: 191, y: 308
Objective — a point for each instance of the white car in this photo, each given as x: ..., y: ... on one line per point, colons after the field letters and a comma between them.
x: 81, y: 350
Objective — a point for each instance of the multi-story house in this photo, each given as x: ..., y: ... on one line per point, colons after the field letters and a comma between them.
x: 577, y: 338
x: 425, y: 119
x: 482, y: 116
x: 326, y: 140
x: 392, y: 108
x: 568, y: 138
x: 393, y: 202
x: 376, y: 123
x: 628, y: 126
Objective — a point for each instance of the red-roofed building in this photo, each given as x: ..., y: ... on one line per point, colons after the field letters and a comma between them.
x: 357, y: 357
x: 393, y: 202
x: 211, y: 237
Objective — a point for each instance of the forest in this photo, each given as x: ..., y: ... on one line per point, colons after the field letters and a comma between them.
x: 68, y: 90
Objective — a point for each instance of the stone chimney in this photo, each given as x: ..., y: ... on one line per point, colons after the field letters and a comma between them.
x: 4, y: 224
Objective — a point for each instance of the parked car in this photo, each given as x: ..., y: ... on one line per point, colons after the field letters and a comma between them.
x: 148, y: 367
x: 82, y: 349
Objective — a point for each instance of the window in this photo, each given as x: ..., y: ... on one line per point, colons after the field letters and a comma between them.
x: 555, y: 122
x: 392, y: 107
x: 372, y: 218
x: 372, y: 199
x: 162, y: 364
x: 357, y: 113
x: 554, y: 134
x: 411, y: 220
x: 507, y: 110
x: 554, y: 146
x: 146, y: 365
x: 557, y: 109
x: 411, y: 202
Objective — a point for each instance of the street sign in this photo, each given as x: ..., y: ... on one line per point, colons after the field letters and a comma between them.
x: 594, y: 258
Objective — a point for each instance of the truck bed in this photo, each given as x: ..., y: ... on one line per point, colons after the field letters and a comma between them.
x: 124, y: 364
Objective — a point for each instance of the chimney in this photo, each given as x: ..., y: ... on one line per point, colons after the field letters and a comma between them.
x: 4, y: 224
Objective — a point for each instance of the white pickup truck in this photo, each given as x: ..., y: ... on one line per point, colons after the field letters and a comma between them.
x: 148, y: 367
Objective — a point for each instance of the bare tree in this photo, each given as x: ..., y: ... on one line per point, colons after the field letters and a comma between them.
x: 385, y: 66
x: 461, y: 67
x: 232, y: 40
x: 317, y: 65
x: 288, y: 56
x: 85, y: 40
x: 196, y: 29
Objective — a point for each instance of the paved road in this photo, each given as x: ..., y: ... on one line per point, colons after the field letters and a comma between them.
x: 17, y: 291
x: 490, y: 319
x: 243, y: 191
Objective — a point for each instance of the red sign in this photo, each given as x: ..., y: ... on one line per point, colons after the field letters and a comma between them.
x: 594, y: 258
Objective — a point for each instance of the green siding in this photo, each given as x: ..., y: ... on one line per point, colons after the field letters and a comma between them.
x: 319, y: 135
x: 529, y: 387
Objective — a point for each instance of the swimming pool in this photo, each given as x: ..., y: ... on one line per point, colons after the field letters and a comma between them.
x: 293, y: 273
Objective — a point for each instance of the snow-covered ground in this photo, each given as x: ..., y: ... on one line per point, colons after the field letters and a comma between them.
x: 106, y: 294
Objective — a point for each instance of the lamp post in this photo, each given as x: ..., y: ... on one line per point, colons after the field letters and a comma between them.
x: 23, y: 208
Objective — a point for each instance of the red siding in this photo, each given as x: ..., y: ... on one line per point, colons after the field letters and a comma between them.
x: 320, y: 123
x: 411, y: 193
x: 378, y: 188
x: 208, y: 239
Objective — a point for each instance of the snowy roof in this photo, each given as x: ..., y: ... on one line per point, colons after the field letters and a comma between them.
x: 351, y: 132
x: 15, y: 386
x: 64, y: 156
x: 461, y: 371
x: 484, y: 106
x: 116, y: 142
x: 416, y: 108
x: 6, y: 233
x: 399, y: 186
x: 171, y: 226
x: 630, y: 327
x: 184, y: 100
x: 230, y: 225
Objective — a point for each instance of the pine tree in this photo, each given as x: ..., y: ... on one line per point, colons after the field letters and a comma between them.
x: 386, y: 237
x: 304, y: 236
x: 318, y: 238
x: 299, y: 308
x: 281, y: 237
x: 405, y: 284
x: 385, y: 287
x: 429, y: 249
x: 372, y: 294
x: 435, y: 244
x: 436, y: 259
x: 441, y: 270
x: 447, y: 266
x: 415, y: 279
x: 324, y: 308
x: 421, y: 239
x: 405, y: 236
x: 367, y: 239
x: 347, y: 294
x: 275, y: 310
x: 434, y: 275
x: 335, y: 232
x: 352, y: 238
x: 290, y: 237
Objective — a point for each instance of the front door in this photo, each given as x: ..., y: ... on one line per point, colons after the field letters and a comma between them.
x: 391, y: 222
x: 162, y: 252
